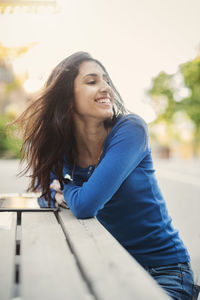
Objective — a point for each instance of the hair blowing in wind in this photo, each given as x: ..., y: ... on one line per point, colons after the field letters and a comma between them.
x: 47, y: 124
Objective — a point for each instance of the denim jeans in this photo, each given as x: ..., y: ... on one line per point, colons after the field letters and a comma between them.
x: 44, y: 204
x: 177, y: 280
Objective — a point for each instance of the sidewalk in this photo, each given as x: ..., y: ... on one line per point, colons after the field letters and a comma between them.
x: 9, y: 181
x: 189, y: 167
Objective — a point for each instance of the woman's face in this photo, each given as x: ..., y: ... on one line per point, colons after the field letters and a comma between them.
x: 93, y: 96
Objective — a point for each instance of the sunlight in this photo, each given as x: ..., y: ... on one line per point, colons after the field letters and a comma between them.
x: 32, y: 85
x: 128, y: 52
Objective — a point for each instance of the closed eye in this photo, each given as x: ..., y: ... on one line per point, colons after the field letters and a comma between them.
x: 93, y: 82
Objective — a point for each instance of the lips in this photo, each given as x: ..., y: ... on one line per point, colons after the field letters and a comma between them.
x: 106, y: 100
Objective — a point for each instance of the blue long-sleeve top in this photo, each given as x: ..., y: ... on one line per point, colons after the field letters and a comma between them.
x: 123, y: 193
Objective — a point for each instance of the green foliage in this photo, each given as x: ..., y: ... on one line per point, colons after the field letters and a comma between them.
x: 10, y: 144
x: 162, y: 95
x: 164, y: 89
x: 191, y: 75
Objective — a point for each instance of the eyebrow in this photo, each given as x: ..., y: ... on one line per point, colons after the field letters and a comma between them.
x: 95, y: 75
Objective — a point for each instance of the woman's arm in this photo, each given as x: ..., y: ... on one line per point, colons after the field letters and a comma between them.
x: 126, y: 150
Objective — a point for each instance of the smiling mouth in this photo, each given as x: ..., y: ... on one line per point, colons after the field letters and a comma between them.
x: 103, y: 100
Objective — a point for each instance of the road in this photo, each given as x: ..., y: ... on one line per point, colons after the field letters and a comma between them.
x: 179, y: 182
x: 9, y: 181
x: 180, y: 185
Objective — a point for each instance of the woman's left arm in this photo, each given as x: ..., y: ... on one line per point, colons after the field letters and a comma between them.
x: 126, y: 150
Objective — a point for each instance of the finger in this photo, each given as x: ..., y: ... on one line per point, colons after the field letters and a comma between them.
x: 58, y: 191
x: 59, y: 198
x: 64, y: 205
x: 56, y: 185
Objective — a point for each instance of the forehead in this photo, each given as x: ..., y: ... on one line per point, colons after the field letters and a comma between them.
x: 90, y: 67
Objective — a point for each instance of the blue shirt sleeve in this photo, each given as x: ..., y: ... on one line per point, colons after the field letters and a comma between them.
x: 126, y: 149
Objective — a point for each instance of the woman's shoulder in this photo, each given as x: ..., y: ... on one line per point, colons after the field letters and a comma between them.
x: 129, y: 121
x: 128, y: 129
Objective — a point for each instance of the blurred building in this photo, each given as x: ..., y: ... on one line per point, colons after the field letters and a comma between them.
x: 13, y: 98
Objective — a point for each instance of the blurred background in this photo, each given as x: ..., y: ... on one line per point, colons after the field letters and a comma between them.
x: 151, y: 49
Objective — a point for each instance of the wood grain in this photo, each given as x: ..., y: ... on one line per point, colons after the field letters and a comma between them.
x: 48, y: 268
x: 108, y: 267
x: 7, y: 253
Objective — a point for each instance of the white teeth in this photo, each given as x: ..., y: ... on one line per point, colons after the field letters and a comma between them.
x: 106, y: 100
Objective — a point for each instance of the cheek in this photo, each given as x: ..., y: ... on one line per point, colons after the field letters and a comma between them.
x: 79, y: 105
x: 83, y: 98
x: 77, y: 99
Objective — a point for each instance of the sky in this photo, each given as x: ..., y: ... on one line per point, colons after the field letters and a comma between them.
x: 135, y: 40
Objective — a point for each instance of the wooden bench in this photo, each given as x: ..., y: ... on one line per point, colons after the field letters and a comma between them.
x: 49, y: 254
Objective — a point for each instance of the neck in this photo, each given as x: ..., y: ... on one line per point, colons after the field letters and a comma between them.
x: 89, y: 138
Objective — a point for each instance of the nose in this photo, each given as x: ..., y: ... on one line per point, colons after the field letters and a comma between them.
x: 105, y: 87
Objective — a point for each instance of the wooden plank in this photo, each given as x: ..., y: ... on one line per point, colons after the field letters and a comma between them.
x: 18, y: 202
x: 8, y: 223
x: 111, y: 272
x: 48, y: 268
x: 1, y: 202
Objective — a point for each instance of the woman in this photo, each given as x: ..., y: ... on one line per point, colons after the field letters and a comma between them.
x: 86, y: 152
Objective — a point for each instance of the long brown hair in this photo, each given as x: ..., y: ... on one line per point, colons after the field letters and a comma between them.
x: 47, y: 123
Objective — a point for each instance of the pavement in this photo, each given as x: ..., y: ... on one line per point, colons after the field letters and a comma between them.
x: 9, y: 181
x: 180, y: 184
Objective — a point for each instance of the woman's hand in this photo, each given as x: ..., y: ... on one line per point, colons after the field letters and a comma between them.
x: 60, y: 201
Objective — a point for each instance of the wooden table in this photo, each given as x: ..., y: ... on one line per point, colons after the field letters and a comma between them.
x: 48, y: 254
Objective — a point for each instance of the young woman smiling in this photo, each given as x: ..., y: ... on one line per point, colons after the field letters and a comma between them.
x: 86, y: 152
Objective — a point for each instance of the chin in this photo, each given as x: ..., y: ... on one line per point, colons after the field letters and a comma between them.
x: 108, y: 115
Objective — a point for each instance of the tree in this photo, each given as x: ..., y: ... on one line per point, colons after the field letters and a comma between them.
x: 169, y: 96
x: 8, y: 80
x: 191, y: 104
x: 9, y: 83
x: 162, y: 96
x: 10, y: 142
